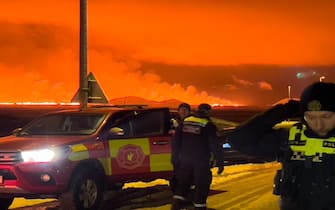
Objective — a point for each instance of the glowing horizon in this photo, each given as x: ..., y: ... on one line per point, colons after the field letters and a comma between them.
x: 40, y: 44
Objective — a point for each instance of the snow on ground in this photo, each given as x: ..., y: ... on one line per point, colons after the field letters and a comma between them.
x: 244, y: 187
x: 240, y: 187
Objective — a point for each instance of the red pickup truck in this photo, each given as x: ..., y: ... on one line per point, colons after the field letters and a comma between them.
x: 85, y: 152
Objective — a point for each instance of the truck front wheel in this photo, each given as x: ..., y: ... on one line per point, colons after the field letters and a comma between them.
x: 86, y: 190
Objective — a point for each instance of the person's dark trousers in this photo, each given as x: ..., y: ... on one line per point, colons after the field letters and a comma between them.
x: 287, y: 204
x: 202, y: 181
x: 202, y: 177
x: 184, y: 176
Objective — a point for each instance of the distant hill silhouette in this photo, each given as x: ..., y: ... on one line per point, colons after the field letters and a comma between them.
x: 130, y: 100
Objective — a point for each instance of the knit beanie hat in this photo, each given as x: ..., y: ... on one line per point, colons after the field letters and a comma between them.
x: 204, y: 109
x: 319, y: 96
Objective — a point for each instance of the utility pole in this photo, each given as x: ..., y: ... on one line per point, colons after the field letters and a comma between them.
x: 83, y: 86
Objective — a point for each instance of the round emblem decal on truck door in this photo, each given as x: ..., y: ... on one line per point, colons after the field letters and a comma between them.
x: 130, y: 156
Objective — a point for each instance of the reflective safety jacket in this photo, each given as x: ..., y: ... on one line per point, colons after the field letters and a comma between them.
x: 307, y: 148
x: 196, y: 138
x: 309, y: 172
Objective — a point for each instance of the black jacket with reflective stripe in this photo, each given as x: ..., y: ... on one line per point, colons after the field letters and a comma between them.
x: 195, y: 139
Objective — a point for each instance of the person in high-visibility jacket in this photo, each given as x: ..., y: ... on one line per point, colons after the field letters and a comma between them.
x: 194, y: 141
x: 306, y: 150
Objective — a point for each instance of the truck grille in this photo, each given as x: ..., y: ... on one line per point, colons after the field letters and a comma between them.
x: 10, y: 157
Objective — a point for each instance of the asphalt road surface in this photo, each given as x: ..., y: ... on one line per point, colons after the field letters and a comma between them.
x: 242, y: 187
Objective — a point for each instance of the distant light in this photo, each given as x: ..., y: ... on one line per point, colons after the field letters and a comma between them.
x: 6, y: 103
x: 227, y: 105
x: 41, y: 103
x: 36, y: 103
x: 72, y: 103
x: 300, y: 75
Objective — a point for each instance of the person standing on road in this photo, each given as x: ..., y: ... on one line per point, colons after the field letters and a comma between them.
x: 194, y: 141
x: 306, y: 180
x: 184, y: 110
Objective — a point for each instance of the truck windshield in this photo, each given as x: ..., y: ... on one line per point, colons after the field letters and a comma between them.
x: 65, y: 124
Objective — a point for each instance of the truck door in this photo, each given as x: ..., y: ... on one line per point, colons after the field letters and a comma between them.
x: 141, y: 144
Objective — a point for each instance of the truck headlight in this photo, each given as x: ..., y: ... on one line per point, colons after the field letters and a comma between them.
x: 43, y: 155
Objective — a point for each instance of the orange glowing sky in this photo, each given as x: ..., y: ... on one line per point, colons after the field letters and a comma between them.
x: 39, y: 45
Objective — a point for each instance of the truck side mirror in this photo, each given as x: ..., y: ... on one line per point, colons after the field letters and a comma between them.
x: 116, y: 131
x: 16, y: 131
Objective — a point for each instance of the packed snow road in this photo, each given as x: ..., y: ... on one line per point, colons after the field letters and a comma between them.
x: 241, y: 187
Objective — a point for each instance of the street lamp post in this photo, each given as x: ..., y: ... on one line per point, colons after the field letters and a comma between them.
x: 83, y: 94
x: 322, y: 78
x: 289, y: 91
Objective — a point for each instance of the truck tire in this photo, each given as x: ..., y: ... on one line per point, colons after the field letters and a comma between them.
x: 5, y: 203
x: 87, y: 189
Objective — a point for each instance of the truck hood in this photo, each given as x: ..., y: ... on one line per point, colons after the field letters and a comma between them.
x: 14, y: 143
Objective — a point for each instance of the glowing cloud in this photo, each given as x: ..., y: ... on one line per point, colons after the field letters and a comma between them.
x: 242, y: 82
x: 264, y: 85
